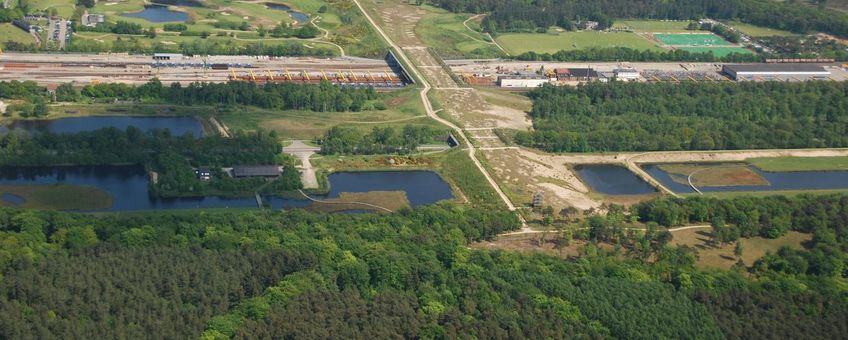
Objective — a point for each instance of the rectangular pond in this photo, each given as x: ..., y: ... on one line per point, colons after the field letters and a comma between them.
x: 796, y: 180
x: 128, y: 185
x: 611, y: 179
x: 178, y: 125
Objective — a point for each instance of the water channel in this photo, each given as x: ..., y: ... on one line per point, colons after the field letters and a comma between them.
x: 612, y: 180
x: 178, y: 125
x: 128, y: 185
x: 795, y: 180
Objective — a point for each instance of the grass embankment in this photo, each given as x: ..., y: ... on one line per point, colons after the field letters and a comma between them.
x: 518, y: 43
x: 783, y: 164
x: 9, y: 32
x: 392, y: 200
x: 721, y: 256
x: 727, y: 195
x: 714, y: 175
x: 57, y: 197
x: 446, y: 33
x: 717, y: 51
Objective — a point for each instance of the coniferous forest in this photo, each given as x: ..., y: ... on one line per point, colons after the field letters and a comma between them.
x: 688, y: 116
x: 261, y: 274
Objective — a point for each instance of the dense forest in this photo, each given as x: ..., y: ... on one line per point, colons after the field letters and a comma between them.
x: 531, y: 15
x: 346, y: 140
x: 322, y: 97
x: 688, y: 116
x: 293, y: 274
x: 172, y: 157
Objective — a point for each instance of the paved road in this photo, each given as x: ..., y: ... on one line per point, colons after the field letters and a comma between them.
x: 429, y: 107
x: 302, y: 151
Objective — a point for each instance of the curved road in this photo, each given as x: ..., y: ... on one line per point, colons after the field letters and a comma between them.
x: 432, y: 113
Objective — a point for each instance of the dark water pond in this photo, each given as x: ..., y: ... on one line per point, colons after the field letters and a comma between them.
x: 297, y: 16
x: 158, y: 13
x: 800, y: 180
x: 612, y: 180
x: 183, y: 3
x: 12, y: 199
x: 128, y: 186
x: 178, y: 125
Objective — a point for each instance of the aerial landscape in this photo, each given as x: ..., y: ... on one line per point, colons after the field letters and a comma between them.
x: 423, y: 169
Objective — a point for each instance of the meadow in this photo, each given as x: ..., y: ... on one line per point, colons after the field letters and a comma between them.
x: 800, y: 163
x: 447, y: 33
x: 518, y: 43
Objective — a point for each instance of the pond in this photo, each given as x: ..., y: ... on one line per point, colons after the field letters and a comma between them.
x: 796, y: 180
x: 128, y: 185
x: 178, y: 125
x: 182, y: 3
x: 297, y: 16
x: 612, y: 180
x: 12, y: 199
x: 158, y: 13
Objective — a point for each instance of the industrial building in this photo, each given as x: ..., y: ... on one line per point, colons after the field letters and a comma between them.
x: 626, y: 74
x: 522, y: 80
x: 576, y: 74
x: 784, y: 72
x: 256, y: 171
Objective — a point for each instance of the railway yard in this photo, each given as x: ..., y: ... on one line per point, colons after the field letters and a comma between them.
x: 54, y: 69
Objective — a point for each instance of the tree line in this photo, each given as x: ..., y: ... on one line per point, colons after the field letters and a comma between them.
x: 621, y: 116
x: 630, y: 54
x: 519, y: 15
x: 348, y: 140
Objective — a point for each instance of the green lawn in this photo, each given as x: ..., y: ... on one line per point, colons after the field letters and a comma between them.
x: 518, y: 43
x: 696, y: 39
x: 445, y: 32
x: 653, y: 26
x: 64, y: 8
x: 777, y: 164
x: 9, y: 32
x: 717, y: 51
x: 758, y: 31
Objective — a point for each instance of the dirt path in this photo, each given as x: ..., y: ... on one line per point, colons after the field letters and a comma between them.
x: 492, y: 42
x: 220, y: 127
x: 302, y: 151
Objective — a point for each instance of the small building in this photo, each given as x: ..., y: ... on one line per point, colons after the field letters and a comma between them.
x: 522, y: 81
x: 203, y: 173
x: 626, y: 74
x: 256, y: 171
x: 605, y: 77
x: 167, y: 56
x: 775, y: 72
x: 91, y: 20
x: 576, y: 74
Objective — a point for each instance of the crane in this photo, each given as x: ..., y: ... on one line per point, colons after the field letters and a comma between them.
x: 270, y: 75
x: 252, y: 76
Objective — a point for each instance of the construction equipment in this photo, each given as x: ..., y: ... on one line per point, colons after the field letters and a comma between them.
x: 270, y: 75
x: 252, y: 76
x: 324, y: 75
x: 233, y: 74
x: 288, y: 75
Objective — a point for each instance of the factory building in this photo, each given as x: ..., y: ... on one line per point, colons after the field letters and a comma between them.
x: 626, y: 74
x: 576, y: 74
x: 783, y: 72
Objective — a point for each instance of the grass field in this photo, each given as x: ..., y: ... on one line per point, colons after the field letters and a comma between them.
x: 392, y: 200
x: 518, y: 43
x: 446, y: 33
x: 64, y: 8
x: 57, y: 197
x: 800, y: 163
x: 696, y: 39
x: 9, y: 32
x: 717, y: 51
x: 404, y: 109
x: 653, y: 25
x: 710, y: 256
x: 713, y: 175
x: 758, y: 31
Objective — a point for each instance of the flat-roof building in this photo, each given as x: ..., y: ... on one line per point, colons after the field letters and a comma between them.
x: 626, y: 74
x: 523, y: 81
x: 256, y: 171
x: 775, y: 72
x: 576, y: 74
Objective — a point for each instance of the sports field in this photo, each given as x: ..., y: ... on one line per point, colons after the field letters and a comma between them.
x: 717, y: 51
x: 698, y: 39
x: 518, y: 43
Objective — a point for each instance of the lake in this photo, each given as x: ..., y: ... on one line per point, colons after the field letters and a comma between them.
x: 297, y: 16
x: 128, y: 184
x: 612, y: 180
x: 800, y: 180
x: 158, y: 13
x: 178, y: 125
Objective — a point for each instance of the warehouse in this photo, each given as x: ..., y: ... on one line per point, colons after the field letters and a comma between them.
x: 522, y: 81
x: 784, y: 72
x: 256, y: 171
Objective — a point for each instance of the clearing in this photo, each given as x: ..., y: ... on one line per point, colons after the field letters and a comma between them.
x: 653, y: 25
x: 721, y: 256
x: 759, y: 31
x: 448, y: 34
x: 779, y: 164
x: 714, y: 175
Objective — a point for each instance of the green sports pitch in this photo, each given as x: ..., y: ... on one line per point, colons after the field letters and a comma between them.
x: 699, y: 39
